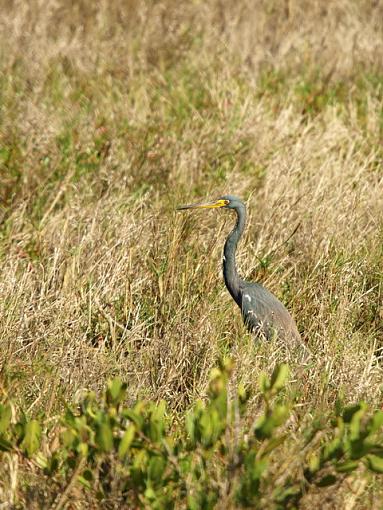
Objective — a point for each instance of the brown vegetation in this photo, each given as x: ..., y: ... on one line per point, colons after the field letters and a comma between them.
x: 112, y: 113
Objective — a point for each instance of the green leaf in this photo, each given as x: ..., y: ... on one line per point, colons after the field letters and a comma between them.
x: 359, y: 448
x: 83, y: 449
x: 41, y: 460
x: 215, y: 373
x: 81, y: 427
x: 84, y: 482
x: 157, y: 422
x: 264, y: 382
x: 116, y: 391
x: 156, y: 468
x: 206, y: 428
x: 218, y: 423
x: 32, y: 435
x: 5, y: 417
x: 220, y: 404
x: 52, y: 464
x: 339, y: 402
x: 326, y: 481
x: 133, y: 416
x: 190, y: 426
x: 243, y: 394
x: 69, y: 417
x: 86, y: 478
x: 150, y: 494
x: 159, y: 411
x: 284, y: 495
x: 332, y: 449
x: 314, y: 463
x: 376, y: 449
x: 264, y: 427
x: 280, y: 414
x: 19, y: 431
x: 126, y: 441
x: 375, y: 463
x: 5, y: 446
x: 279, y: 377
x: 68, y: 437
x: 375, y: 423
x: 248, y: 491
x: 104, y: 436
x: 347, y: 467
x: 185, y: 465
x: 193, y: 502
x: 226, y: 365
x: 258, y: 469
x: 140, y: 460
x: 266, y: 424
x: 354, y: 426
x: 349, y: 412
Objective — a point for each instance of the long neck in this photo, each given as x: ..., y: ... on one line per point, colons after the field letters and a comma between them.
x: 230, y: 274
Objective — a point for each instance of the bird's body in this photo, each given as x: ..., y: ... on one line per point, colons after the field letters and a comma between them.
x: 263, y: 314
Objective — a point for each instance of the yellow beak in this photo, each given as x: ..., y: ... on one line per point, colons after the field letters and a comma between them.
x: 204, y: 205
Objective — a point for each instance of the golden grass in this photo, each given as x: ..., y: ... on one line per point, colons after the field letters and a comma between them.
x: 112, y: 113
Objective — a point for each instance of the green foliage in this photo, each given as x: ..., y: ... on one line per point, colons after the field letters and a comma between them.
x: 221, y: 453
x: 354, y: 440
x: 130, y: 112
x: 31, y: 437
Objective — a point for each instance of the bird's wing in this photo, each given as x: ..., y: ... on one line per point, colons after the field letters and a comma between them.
x: 262, y: 309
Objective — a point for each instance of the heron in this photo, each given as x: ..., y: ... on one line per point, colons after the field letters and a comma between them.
x: 262, y: 312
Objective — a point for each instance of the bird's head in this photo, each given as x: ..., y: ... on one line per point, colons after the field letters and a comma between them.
x: 226, y: 201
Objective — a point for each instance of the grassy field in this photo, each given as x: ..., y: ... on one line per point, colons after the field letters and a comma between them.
x: 112, y: 113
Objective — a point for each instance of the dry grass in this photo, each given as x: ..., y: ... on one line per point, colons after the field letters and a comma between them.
x: 114, y: 112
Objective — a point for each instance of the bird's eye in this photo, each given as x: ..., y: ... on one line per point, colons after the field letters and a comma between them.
x: 227, y: 202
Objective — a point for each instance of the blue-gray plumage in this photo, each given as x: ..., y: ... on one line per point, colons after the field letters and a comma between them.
x: 262, y: 312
